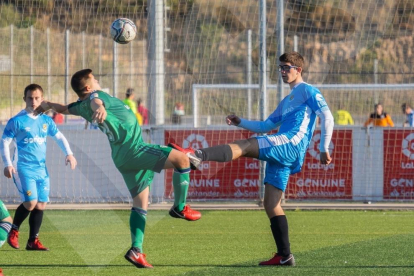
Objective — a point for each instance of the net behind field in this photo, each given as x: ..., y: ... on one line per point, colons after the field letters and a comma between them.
x: 207, y: 42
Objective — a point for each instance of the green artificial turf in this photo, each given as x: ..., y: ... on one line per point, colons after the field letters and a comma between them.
x: 221, y: 243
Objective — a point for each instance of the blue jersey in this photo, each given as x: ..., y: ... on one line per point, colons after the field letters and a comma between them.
x: 296, y: 114
x: 29, y: 133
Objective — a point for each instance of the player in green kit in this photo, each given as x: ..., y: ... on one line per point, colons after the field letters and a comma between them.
x: 137, y: 161
x: 5, y: 223
x: 5, y: 226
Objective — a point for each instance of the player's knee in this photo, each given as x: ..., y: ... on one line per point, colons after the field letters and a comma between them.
x: 248, y: 147
x: 41, y: 206
x: 8, y: 219
x: 30, y: 205
x: 182, y: 161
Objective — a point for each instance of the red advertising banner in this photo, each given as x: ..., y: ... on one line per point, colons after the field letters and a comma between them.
x: 399, y: 164
x: 317, y: 181
x: 238, y: 179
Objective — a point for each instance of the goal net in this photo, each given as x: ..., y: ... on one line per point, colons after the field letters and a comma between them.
x: 359, y: 53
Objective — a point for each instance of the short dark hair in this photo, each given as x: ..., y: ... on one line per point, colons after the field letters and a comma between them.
x: 293, y: 58
x: 404, y: 106
x: 79, y: 79
x: 32, y: 87
x: 130, y: 91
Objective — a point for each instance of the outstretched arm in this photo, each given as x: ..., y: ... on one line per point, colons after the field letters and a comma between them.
x: 64, y: 146
x: 45, y: 106
x: 254, y: 126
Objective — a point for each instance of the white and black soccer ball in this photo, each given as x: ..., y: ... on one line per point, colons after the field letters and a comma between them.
x: 123, y: 30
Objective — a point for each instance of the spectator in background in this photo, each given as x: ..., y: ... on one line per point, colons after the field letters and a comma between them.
x: 129, y: 101
x: 379, y: 118
x: 407, y: 110
x: 178, y: 112
x: 143, y: 111
x: 343, y: 118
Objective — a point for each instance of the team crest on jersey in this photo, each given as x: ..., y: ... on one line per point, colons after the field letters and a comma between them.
x: 44, y: 127
x: 29, y: 193
x: 291, y: 97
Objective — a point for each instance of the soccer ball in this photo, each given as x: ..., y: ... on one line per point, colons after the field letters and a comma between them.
x: 123, y: 30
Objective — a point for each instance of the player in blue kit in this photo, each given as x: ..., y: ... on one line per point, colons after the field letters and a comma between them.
x: 29, y: 133
x: 284, y: 151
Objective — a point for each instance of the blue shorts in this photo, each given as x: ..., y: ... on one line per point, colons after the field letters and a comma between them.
x: 33, y: 184
x: 283, y: 159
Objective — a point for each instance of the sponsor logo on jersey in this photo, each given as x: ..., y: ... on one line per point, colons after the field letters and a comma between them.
x: 127, y: 107
x: 36, y: 139
x: 288, y: 110
x: 27, y: 129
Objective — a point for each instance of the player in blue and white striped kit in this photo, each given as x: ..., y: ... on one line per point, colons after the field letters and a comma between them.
x: 284, y: 151
x: 29, y: 133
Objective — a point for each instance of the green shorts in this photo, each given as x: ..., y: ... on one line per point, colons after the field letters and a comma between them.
x: 3, y: 211
x: 138, y: 170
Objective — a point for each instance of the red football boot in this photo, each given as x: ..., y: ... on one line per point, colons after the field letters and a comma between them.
x: 36, y: 245
x: 279, y: 260
x: 187, y: 213
x: 13, y: 239
x: 1, y: 272
x: 137, y: 259
x: 194, y: 160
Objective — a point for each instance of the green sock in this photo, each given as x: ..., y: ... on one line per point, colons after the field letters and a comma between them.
x: 181, y: 180
x: 137, y: 222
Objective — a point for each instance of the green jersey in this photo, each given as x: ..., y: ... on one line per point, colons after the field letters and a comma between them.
x: 120, y: 126
x: 3, y: 211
